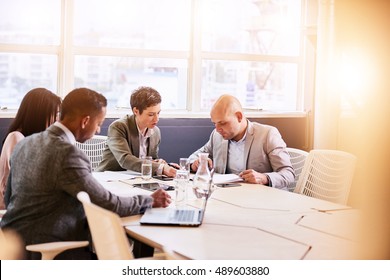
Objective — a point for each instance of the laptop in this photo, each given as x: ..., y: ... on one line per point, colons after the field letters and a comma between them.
x: 174, y: 217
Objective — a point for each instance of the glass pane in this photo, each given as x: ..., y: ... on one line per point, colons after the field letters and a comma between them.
x: 137, y: 24
x: 30, y: 22
x: 20, y: 73
x: 117, y: 77
x: 247, y: 26
x: 258, y: 85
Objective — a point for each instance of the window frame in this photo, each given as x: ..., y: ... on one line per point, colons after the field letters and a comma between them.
x: 66, y: 53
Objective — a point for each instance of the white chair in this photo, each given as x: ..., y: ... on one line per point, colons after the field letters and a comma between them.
x: 327, y: 175
x: 108, y: 235
x: 94, y: 148
x: 51, y: 249
x: 298, y: 158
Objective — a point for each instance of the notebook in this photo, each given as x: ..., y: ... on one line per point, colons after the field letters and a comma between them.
x: 174, y: 217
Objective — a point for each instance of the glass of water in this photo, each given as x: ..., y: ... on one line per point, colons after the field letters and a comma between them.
x: 184, y: 164
x: 146, y: 168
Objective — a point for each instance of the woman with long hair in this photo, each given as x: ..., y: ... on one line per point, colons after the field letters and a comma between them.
x: 38, y: 110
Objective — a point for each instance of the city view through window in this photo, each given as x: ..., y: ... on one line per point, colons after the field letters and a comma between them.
x: 190, y: 51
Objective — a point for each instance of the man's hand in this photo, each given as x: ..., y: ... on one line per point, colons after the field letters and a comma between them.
x: 254, y: 177
x: 161, y: 198
x: 195, y: 164
x: 169, y: 171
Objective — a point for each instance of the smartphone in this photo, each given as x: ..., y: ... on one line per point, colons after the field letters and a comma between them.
x: 228, y: 185
x: 153, y: 186
x: 163, y: 177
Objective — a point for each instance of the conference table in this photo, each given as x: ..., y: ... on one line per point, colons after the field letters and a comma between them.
x: 252, y: 222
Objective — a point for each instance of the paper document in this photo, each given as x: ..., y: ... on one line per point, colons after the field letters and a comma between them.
x: 226, y: 178
x: 112, y: 176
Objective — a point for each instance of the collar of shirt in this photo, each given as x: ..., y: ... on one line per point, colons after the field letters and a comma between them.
x: 241, y: 140
x: 143, y: 143
x: 68, y: 133
x: 149, y: 132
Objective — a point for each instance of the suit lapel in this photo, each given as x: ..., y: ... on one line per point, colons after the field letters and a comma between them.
x: 224, y: 153
x: 248, y: 142
x: 134, y: 137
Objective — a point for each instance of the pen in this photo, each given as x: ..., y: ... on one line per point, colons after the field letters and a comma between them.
x: 173, y: 165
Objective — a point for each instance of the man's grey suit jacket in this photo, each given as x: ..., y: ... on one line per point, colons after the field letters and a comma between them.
x: 265, y: 152
x: 47, y: 172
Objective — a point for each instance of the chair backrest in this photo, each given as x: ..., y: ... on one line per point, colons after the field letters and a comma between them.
x: 327, y: 174
x: 94, y: 148
x: 108, y: 235
x: 298, y: 158
x: 11, y: 245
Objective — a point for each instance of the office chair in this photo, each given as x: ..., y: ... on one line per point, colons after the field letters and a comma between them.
x: 108, y: 235
x: 48, y: 250
x: 298, y: 158
x: 327, y: 175
x: 11, y: 245
x: 94, y: 148
x: 51, y: 249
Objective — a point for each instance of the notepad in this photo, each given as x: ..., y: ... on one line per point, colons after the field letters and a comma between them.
x: 112, y: 176
x: 226, y: 178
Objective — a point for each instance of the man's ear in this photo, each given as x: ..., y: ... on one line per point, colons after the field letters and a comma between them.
x: 84, y: 121
x: 135, y: 111
x: 239, y: 116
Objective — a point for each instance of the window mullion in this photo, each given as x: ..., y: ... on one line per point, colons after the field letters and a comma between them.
x: 66, y: 55
x: 195, y: 63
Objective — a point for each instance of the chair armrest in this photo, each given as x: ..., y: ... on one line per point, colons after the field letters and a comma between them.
x: 52, y: 249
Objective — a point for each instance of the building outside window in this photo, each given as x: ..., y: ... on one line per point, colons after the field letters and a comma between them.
x: 191, y: 51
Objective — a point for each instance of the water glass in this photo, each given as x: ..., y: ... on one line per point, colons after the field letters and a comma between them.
x: 184, y: 164
x: 181, y: 184
x: 146, y: 168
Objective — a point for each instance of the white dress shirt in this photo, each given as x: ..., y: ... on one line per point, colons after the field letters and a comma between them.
x: 236, y: 157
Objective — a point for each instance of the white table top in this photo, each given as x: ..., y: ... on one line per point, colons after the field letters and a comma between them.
x: 254, y: 222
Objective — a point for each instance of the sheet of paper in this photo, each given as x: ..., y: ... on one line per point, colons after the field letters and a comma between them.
x: 226, y: 178
x: 112, y: 176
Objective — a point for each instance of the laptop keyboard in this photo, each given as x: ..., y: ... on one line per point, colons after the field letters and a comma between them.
x: 183, y: 215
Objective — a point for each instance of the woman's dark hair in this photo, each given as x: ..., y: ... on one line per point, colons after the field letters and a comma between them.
x: 36, y: 112
x: 144, y: 97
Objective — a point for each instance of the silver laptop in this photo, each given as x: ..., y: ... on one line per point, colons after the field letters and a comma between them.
x: 174, y: 217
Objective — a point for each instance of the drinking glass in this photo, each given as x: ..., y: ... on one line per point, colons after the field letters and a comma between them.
x: 184, y: 164
x: 146, y: 168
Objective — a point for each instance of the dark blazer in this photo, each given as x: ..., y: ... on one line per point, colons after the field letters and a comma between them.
x: 122, y: 150
x: 46, y: 174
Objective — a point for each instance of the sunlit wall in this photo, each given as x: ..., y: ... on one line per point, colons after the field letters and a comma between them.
x: 352, y: 106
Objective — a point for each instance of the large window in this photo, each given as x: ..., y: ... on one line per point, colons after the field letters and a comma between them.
x: 191, y: 51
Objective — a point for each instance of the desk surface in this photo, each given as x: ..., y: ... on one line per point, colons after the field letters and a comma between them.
x: 255, y: 222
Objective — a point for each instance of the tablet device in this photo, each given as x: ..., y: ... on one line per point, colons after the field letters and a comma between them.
x: 153, y: 186
x: 163, y: 177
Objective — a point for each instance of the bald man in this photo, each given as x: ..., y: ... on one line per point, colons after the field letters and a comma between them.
x: 256, y: 152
